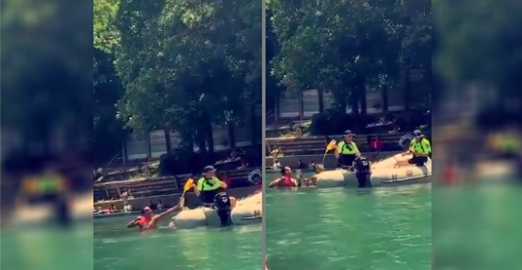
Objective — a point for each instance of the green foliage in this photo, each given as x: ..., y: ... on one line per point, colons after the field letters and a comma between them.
x: 108, y: 131
x: 185, y: 64
x: 44, y: 83
x: 105, y: 34
x: 344, y: 46
x: 482, y: 47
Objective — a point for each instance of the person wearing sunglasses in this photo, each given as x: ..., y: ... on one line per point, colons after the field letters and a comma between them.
x: 346, y: 151
x: 420, y: 147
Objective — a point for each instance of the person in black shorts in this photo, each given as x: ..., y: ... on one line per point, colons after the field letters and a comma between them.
x: 362, y: 168
x: 420, y: 148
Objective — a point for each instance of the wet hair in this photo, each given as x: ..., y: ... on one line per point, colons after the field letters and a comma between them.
x: 283, y: 170
x: 143, y: 210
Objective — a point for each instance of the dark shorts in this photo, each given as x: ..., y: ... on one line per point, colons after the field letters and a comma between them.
x: 418, y: 161
x: 207, y: 197
x: 345, y: 161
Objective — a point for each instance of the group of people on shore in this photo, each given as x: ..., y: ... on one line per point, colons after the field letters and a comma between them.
x: 350, y: 158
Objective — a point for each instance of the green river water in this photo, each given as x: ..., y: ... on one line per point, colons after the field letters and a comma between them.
x: 118, y: 248
x: 386, y: 228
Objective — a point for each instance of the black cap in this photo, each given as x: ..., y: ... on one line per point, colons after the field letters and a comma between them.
x: 209, y: 168
x: 348, y: 132
x: 417, y: 132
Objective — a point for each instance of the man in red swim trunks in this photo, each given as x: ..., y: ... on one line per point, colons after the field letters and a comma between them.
x: 147, y: 221
x: 285, y: 180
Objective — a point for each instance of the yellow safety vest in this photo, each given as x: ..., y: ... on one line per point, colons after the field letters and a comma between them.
x: 422, y: 147
x: 208, y: 184
x: 347, y: 149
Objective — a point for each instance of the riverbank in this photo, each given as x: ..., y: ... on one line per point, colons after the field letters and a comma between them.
x: 329, y: 162
x: 172, y: 199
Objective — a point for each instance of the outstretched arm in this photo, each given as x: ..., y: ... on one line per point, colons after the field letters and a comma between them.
x: 274, y: 183
x: 196, y: 190
x: 178, y: 207
x: 133, y: 223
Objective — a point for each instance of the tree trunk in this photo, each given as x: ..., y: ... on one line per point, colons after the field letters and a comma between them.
x: 320, y: 94
x: 407, y: 90
x: 384, y: 98
x: 254, y: 122
x: 187, y: 140
x: 210, y: 134
x: 149, y: 146
x: 231, y: 135
x: 301, y: 106
x: 354, y: 101
x: 124, y: 153
x: 361, y: 85
x: 168, y: 144
x: 340, y: 100
x: 200, y: 140
x: 276, y: 114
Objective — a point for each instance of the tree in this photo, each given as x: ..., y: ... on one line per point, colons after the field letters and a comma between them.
x: 343, y: 47
x: 47, y: 84
x: 187, y: 65
x: 108, y: 131
x: 481, y: 48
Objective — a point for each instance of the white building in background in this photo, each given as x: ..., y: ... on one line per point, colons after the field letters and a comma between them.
x: 289, y: 103
x: 137, y: 148
x: 306, y: 104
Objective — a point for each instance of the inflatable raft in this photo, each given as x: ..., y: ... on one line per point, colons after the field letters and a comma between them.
x: 247, y: 211
x: 383, y: 172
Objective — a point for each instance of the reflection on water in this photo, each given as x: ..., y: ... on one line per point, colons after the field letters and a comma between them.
x: 382, y: 228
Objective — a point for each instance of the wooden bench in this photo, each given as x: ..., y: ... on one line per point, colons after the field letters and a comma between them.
x: 317, y: 144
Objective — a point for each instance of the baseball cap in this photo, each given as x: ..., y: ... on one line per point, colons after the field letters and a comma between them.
x: 348, y: 132
x: 417, y: 132
x: 209, y: 168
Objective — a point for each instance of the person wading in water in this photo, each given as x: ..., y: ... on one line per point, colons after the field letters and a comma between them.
x: 148, y: 221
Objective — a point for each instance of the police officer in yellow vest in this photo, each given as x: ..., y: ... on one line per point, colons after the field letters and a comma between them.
x: 420, y: 148
x: 209, y: 186
x: 346, y: 150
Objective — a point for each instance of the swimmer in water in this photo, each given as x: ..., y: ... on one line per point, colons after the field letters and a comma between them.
x: 285, y: 180
x: 319, y: 168
x: 148, y: 221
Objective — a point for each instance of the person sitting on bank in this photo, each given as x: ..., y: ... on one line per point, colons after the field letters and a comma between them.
x: 209, y: 186
x: 277, y: 165
x: 346, y: 151
x: 285, y: 180
x: 127, y: 207
x: 312, y: 164
x: 377, y: 143
x: 420, y: 148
